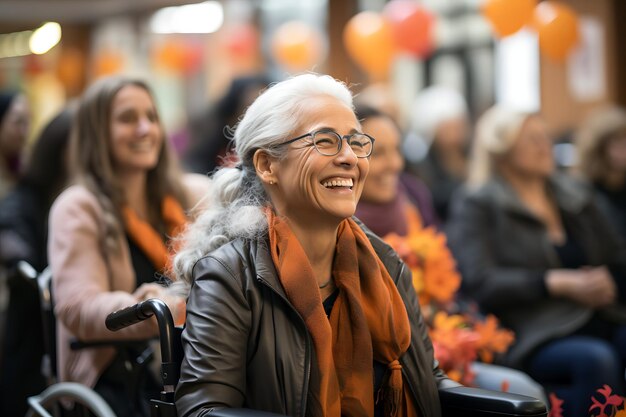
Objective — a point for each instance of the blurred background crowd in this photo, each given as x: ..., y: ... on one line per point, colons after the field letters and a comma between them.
x: 431, y: 69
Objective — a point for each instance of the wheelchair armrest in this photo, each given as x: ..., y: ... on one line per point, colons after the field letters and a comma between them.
x: 242, y: 412
x: 469, y: 402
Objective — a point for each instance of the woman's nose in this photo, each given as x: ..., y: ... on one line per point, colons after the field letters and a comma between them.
x: 144, y: 126
x: 346, y: 155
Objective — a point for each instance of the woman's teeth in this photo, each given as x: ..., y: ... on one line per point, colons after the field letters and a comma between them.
x: 338, y: 183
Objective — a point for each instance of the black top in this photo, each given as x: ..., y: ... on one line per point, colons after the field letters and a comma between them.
x: 126, y: 384
x: 143, y: 267
x: 571, y: 254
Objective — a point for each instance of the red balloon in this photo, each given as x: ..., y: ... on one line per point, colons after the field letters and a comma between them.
x: 241, y: 40
x: 412, y: 27
x: 193, y: 57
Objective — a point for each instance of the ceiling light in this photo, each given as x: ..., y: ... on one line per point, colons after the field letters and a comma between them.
x: 205, y: 17
x: 45, y: 38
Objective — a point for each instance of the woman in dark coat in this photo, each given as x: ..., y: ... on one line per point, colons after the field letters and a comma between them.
x: 533, y: 249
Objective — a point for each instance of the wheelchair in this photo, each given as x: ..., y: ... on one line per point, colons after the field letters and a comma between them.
x: 456, y: 401
x: 48, y: 402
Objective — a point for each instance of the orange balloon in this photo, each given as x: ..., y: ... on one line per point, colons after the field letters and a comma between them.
x: 70, y: 70
x: 297, y: 46
x: 369, y: 40
x: 557, y: 26
x: 170, y: 55
x: 508, y: 16
x: 108, y: 62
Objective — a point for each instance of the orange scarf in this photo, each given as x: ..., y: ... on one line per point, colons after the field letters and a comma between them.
x: 149, y: 240
x: 368, y: 321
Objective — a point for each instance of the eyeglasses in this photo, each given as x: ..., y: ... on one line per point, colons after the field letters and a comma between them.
x: 329, y: 142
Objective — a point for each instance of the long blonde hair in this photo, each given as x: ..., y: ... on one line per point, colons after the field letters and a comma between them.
x: 92, y: 163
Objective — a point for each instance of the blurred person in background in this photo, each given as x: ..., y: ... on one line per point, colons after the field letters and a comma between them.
x: 388, y: 206
x: 534, y: 250
x: 14, y: 127
x: 436, y: 147
x: 210, y: 143
x: 109, y: 235
x: 395, y: 183
x: 23, y: 237
x: 601, y: 144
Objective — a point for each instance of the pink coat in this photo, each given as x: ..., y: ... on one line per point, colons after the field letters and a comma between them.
x: 89, y: 281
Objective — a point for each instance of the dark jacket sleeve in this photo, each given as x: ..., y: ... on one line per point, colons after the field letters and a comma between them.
x: 473, y: 235
x: 213, y: 372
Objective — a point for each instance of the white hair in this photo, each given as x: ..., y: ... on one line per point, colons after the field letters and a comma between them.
x: 497, y: 130
x: 237, y: 206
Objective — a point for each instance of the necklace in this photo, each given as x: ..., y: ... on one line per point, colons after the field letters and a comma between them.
x: 324, y: 285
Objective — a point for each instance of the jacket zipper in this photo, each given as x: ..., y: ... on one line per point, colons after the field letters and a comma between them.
x: 307, y: 352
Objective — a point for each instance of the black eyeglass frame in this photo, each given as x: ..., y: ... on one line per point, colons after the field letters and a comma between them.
x: 341, y: 138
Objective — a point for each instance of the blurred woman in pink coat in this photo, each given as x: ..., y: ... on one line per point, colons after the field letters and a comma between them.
x: 109, y: 235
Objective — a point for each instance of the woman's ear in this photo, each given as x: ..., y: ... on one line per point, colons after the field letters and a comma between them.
x: 265, y: 166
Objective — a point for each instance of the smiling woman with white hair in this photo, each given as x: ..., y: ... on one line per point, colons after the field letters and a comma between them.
x: 436, y: 146
x: 294, y: 306
x: 534, y: 250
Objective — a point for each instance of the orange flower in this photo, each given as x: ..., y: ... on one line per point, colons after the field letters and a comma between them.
x: 492, y: 338
x: 457, y: 340
x: 426, y: 251
x: 447, y: 323
x: 454, y: 344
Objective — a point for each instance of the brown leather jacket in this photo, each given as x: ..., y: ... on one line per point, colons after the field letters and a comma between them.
x: 246, y: 346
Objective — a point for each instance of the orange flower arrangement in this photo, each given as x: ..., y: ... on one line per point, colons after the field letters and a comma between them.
x: 610, y: 405
x: 433, y: 268
x: 458, y: 339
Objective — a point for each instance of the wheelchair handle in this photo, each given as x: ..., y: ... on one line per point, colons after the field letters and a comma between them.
x: 134, y: 314
x: 142, y: 311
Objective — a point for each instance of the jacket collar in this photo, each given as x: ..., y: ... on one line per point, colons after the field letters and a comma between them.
x: 264, y: 265
x: 570, y: 196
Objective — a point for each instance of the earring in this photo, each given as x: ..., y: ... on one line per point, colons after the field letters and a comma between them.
x: 271, y: 182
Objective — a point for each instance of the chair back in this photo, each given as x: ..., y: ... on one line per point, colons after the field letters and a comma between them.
x: 43, y: 281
